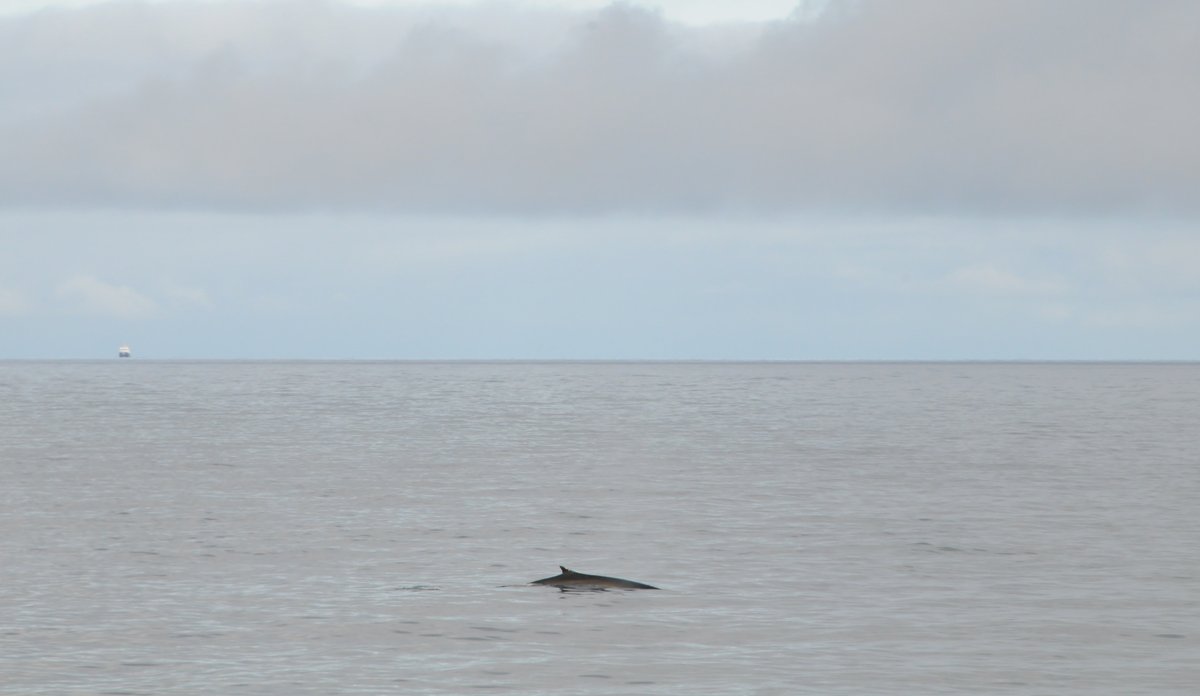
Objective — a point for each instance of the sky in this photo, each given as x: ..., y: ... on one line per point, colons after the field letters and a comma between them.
x: 575, y: 179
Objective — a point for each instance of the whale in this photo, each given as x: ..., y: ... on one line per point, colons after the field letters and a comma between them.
x: 570, y: 580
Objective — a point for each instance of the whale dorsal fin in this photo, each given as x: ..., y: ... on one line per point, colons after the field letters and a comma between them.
x: 565, y: 570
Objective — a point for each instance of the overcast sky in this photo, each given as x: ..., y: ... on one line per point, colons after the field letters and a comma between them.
x: 866, y: 179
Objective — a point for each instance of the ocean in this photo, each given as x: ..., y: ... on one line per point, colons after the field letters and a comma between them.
x: 175, y: 527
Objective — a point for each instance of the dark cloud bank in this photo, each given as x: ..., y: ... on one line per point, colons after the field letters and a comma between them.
x: 1011, y: 106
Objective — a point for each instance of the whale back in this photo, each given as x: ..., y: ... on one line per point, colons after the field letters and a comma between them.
x: 570, y: 580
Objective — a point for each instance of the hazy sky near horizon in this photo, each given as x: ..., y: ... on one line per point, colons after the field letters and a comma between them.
x: 845, y: 179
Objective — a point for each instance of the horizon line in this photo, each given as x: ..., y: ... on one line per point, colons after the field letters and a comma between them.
x: 818, y: 361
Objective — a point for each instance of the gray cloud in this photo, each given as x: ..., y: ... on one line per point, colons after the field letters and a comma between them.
x: 1014, y: 106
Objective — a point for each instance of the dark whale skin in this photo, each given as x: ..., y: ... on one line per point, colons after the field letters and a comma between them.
x: 570, y: 580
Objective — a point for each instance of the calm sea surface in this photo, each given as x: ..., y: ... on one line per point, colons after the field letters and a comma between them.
x: 368, y: 528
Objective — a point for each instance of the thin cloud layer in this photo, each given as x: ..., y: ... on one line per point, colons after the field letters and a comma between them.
x: 13, y: 303
x: 97, y: 297
x: 996, y: 106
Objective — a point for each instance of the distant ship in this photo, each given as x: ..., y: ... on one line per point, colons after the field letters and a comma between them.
x: 123, y: 352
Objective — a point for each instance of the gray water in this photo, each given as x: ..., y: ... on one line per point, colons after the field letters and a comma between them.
x: 369, y: 528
